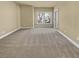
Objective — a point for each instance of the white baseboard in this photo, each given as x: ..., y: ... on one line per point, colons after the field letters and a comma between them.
x: 8, y: 33
x: 73, y: 42
x: 26, y: 27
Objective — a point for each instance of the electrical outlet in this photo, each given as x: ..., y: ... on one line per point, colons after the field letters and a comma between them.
x: 77, y: 38
x: 1, y: 33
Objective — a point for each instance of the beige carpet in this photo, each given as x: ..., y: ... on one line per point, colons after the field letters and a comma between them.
x: 39, y: 42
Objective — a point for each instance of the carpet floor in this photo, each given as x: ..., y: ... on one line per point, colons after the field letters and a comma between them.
x: 37, y: 43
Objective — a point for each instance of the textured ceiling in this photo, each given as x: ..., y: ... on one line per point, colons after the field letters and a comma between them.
x: 38, y: 3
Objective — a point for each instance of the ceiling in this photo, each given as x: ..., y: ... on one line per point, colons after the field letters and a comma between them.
x: 38, y: 3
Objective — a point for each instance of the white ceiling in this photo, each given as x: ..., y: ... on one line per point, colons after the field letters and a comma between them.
x: 38, y: 3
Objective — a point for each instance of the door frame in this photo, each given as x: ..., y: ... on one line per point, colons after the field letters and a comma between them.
x: 56, y: 18
x: 33, y: 17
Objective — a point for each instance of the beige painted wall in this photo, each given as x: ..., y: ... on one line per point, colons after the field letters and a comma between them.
x: 69, y: 19
x: 9, y: 17
x: 26, y: 16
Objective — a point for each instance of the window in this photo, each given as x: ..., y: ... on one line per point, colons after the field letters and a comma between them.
x: 43, y: 17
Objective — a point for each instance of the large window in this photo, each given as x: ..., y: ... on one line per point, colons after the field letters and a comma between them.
x: 44, y: 17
